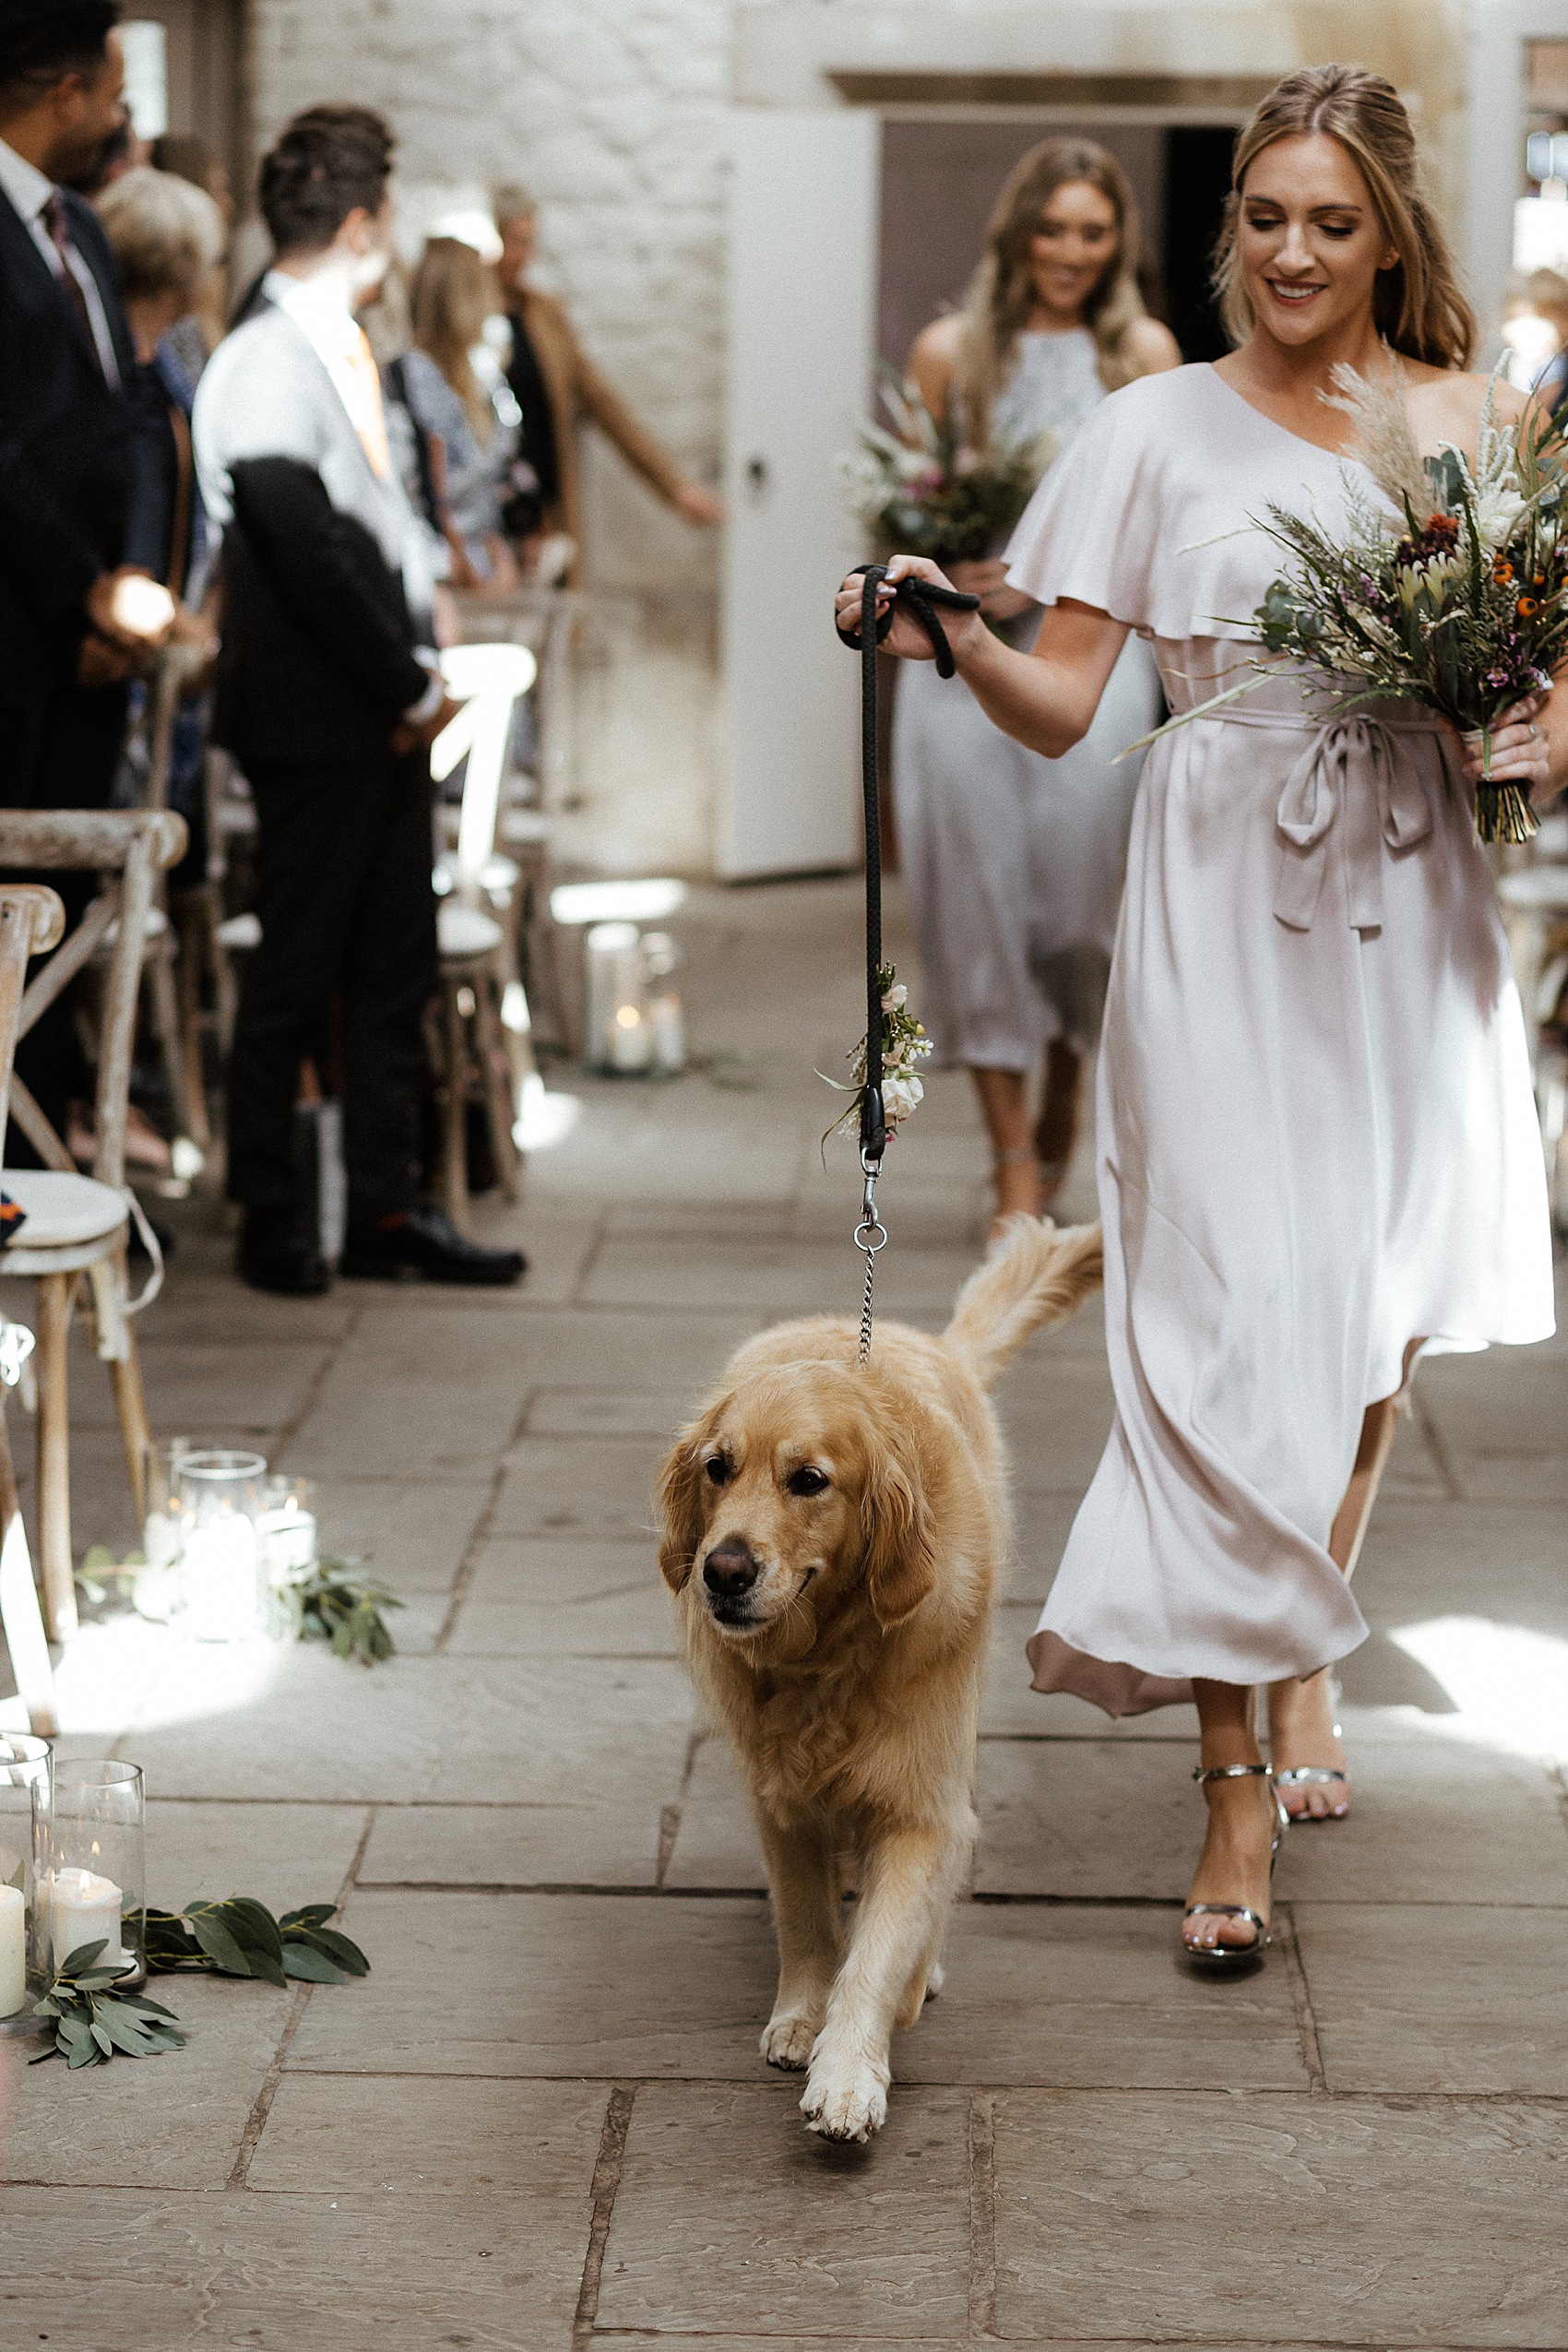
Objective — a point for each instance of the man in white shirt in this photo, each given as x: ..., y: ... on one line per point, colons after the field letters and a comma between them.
x: 329, y: 695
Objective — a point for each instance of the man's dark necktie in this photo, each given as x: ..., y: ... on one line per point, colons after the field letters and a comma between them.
x: 60, y: 238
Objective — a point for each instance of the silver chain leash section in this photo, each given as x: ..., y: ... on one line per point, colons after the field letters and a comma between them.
x: 871, y: 1235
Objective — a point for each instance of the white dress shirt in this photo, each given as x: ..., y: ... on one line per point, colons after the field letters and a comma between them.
x: 336, y: 336
x: 29, y: 191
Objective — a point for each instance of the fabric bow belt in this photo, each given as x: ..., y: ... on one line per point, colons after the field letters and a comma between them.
x: 1358, y: 774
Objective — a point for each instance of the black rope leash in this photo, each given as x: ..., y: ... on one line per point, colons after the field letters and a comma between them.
x: 922, y: 597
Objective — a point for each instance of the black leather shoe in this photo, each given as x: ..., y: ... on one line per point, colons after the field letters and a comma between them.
x: 423, y: 1242
x: 274, y: 1255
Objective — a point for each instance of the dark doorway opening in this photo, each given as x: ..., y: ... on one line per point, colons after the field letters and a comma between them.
x: 1197, y: 181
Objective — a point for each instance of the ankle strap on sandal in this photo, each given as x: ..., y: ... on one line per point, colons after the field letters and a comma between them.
x: 1203, y: 1774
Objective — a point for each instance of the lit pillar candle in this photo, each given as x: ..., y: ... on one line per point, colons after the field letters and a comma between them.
x: 14, y: 1950
x: 286, y: 1537
x: 218, y: 1575
x: 631, y: 1039
x: 84, y: 1908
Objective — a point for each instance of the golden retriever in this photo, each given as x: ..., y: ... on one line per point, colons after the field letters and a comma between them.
x: 834, y: 1535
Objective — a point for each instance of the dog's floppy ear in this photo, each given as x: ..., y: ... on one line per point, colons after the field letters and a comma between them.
x: 896, y: 1521
x: 680, y: 1498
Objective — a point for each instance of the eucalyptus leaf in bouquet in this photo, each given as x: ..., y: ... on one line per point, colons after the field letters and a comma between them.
x: 920, y: 491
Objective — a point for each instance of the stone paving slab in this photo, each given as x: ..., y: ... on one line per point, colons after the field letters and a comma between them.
x: 580, y: 1486
x: 423, y: 1728
x: 423, y: 2137
x: 788, y: 2234
x: 175, y: 2122
x: 654, y: 1413
x: 590, y: 1836
x: 1065, y: 1995
x: 193, y: 1386
x: 567, y: 1985
x: 605, y: 1349
x: 1362, y: 2221
x: 716, y: 1843
x: 1421, y: 1559
x: 779, y: 1279
x: 283, y: 1854
x: 1501, y: 1418
x: 1118, y: 1818
x: 1437, y: 1996
x: 1106, y: 1819
x: 411, y: 1533
x: 126, y: 2270
x: 530, y: 1598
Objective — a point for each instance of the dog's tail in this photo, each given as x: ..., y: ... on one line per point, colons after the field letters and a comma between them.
x: 1034, y: 1275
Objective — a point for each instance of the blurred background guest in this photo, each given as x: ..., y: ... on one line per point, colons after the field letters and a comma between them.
x: 167, y: 236
x: 73, y: 617
x: 555, y: 385
x: 470, y: 424
x: 196, y: 336
x: 1014, y: 863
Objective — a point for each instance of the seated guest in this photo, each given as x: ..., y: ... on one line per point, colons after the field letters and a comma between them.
x: 555, y: 385
x: 166, y: 236
x: 455, y: 291
x: 72, y: 621
x: 329, y: 696
x: 194, y: 337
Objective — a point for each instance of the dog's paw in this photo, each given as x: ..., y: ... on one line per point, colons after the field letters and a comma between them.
x: 935, y: 1978
x: 846, y: 2102
x: 787, y: 2041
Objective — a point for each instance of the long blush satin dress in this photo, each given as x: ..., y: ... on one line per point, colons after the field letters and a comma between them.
x: 1316, y: 1135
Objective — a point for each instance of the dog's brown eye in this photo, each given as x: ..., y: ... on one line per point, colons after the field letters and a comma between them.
x: 807, y: 1482
x: 717, y: 1468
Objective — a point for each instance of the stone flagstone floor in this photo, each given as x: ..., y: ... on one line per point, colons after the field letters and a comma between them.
x: 542, y: 2123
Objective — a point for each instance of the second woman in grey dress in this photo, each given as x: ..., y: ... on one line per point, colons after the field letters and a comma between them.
x: 1013, y: 862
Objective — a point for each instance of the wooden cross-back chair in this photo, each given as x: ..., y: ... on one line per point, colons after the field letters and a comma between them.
x: 77, y: 1224
x: 32, y: 921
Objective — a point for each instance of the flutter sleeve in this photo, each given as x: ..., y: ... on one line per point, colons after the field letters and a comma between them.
x: 1090, y: 529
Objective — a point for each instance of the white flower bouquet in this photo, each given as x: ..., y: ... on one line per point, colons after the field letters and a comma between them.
x: 921, y: 492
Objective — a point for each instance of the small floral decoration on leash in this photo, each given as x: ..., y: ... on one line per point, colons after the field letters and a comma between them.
x: 1461, y: 605
x: 920, y: 491
x: 904, y: 1044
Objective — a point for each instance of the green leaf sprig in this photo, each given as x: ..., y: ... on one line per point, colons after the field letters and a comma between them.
x: 92, y: 2021
x: 339, y: 1606
x: 240, y: 1937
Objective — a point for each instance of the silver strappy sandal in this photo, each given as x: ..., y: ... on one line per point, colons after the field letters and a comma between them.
x: 1233, y: 1959
x: 1318, y: 1775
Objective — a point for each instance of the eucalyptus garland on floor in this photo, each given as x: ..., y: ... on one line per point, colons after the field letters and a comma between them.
x: 238, y: 1937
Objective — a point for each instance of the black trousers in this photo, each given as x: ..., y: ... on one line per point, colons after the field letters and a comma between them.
x: 343, y: 858
x: 58, y: 753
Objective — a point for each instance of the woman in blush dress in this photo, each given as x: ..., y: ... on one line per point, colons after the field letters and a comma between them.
x: 1013, y: 861
x: 1318, y: 1148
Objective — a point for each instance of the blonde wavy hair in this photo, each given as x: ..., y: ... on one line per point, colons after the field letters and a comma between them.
x: 1002, y: 291
x: 1417, y: 305
x: 454, y: 292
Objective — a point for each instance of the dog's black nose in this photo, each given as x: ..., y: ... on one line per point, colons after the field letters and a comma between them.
x: 730, y: 1568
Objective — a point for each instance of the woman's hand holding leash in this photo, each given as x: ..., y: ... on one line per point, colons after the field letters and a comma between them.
x: 906, y: 638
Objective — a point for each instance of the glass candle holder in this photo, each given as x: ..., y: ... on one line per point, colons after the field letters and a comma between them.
x: 286, y: 1541
x: 219, y: 1496
x: 96, y: 1846
x: 25, y: 1959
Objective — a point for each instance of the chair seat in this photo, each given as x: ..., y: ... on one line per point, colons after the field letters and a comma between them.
x: 62, y: 1212
x: 241, y: 932
x: 463, y: 932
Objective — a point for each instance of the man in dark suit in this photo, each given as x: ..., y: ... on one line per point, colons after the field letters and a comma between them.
x: 70, y: 626
x: 329, y: 695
